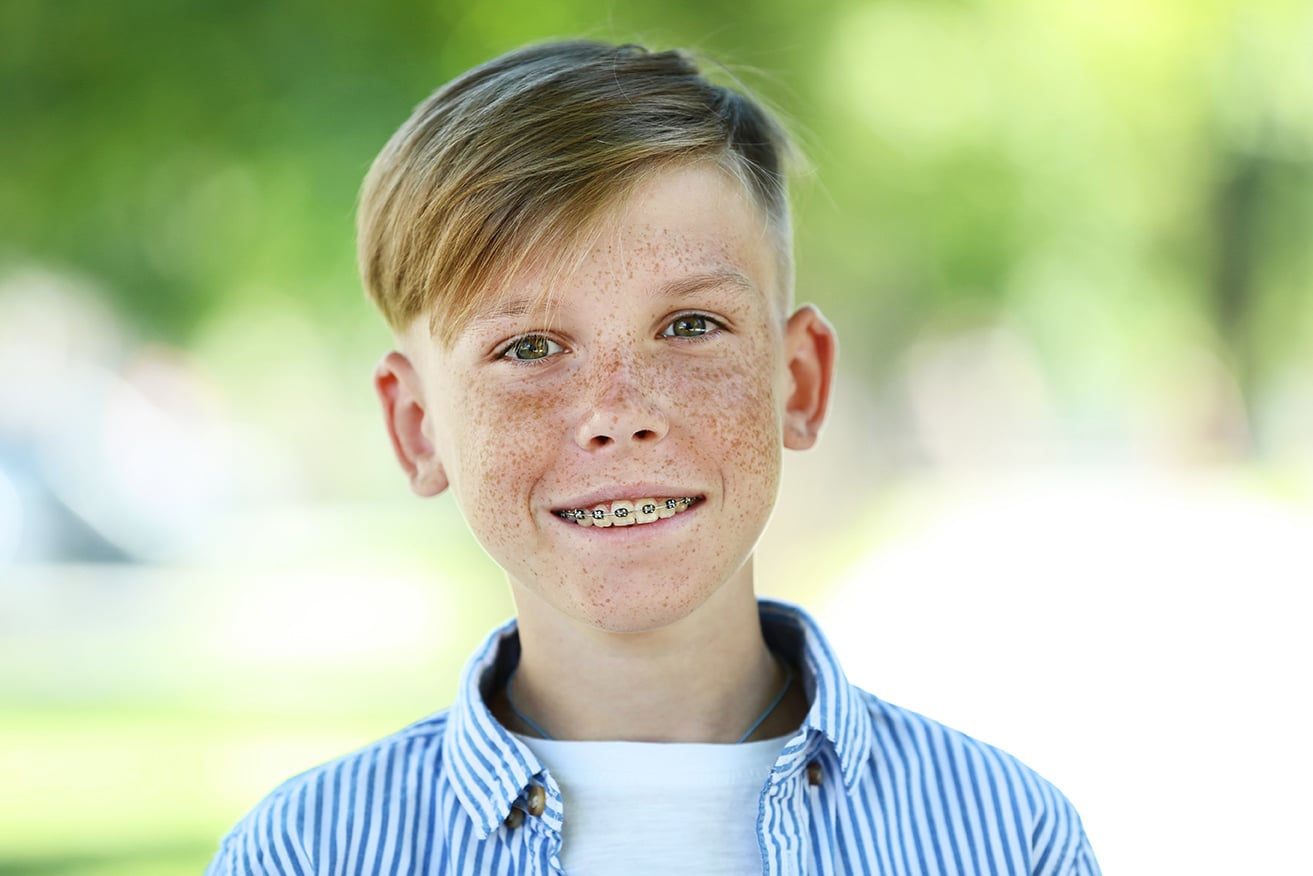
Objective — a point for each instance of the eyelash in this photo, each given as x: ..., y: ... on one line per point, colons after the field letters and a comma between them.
x: 714, y: 327
x: 509, y: 347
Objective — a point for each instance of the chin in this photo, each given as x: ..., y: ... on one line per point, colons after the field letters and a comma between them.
x: 644, y: 605
x: 628, y: 613
x: 632, y: 599
x: 617, y: 603
x: 631, y: 621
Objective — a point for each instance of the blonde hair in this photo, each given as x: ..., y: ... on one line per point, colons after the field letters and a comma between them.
x: 520, y: 155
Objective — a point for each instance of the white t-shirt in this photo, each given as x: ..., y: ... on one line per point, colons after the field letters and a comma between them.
x: 644, y: 807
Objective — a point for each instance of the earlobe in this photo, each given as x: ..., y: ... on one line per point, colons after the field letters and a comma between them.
x: 398, y: 387
x: 811, y: 349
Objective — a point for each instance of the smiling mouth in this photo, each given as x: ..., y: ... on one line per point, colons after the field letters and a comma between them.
x: 628, y: 513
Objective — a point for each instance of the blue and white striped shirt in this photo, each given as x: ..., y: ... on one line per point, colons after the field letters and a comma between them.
x: 862, y: 787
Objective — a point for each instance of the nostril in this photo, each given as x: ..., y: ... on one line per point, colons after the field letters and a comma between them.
x: 601, y: 429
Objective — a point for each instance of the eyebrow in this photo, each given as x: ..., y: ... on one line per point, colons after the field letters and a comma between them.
x: 507, y: 307
x: 680, y: 287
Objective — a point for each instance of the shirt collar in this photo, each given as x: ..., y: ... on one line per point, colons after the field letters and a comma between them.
x: 839, y: 712
x: 491, y: 770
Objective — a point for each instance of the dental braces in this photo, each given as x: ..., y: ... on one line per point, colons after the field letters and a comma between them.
x: 622, y: 513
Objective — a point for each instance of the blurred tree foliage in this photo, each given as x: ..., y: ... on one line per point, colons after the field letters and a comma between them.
x: 1110, y: 179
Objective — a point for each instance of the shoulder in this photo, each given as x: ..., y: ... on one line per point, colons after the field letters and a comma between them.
x: 905, y: 739
x: 972, y: 797
x: 324, y: 812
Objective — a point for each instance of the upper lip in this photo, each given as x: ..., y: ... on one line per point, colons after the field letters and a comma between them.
x: 627, y: 492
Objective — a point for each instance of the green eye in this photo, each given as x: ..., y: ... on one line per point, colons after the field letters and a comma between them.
x: 691, y: 326
x: 530, y: 348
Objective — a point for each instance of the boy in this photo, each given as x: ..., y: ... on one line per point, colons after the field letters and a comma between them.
x: 584, y: 253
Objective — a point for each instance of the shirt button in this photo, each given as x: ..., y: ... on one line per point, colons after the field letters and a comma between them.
x: 537, y: 800
x: 814, y: 773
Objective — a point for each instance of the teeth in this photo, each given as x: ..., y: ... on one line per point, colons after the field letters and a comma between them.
x: 624, y: 512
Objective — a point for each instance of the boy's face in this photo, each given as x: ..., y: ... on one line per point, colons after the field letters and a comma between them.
x: 661, y: 368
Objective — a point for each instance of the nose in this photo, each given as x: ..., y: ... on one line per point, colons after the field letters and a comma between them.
x: 621, y: 412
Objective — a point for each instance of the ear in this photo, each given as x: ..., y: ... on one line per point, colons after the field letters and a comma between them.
x: 399, y: 392
x: 811, y: 347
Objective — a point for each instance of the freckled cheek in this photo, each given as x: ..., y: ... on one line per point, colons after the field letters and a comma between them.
x: 505, y: 441
x: 734, y: 412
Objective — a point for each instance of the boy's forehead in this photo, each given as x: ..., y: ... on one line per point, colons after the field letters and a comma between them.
x: 654, y: 277
x: 676, y: 231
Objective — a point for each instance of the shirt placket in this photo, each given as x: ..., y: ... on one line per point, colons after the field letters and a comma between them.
x: 535, y: 820
x: 787, y: 806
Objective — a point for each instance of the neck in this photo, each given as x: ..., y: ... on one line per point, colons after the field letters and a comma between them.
x: 704, y: 678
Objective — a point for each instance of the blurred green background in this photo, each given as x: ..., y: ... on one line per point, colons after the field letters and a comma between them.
x: 1064, y: 242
